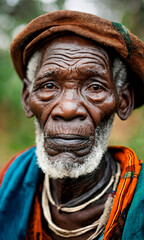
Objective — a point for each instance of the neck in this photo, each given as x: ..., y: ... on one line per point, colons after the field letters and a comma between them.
x: 67, y: 189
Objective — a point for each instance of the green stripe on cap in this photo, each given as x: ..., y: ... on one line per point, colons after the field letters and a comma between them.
x: 125, y: 35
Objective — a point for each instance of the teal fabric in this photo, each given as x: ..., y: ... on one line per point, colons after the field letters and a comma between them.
x: 16, y: 195
x: 101, y: 237
x: 134, y: 226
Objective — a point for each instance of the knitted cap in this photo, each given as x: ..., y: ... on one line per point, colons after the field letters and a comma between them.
x: 107, y: 33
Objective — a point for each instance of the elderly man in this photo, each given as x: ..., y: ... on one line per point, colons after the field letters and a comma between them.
x: 78, y: 71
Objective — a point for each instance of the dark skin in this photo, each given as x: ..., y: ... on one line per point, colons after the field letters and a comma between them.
x: 73, y: 93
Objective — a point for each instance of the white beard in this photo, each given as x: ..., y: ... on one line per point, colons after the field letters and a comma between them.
x: 67, y: 167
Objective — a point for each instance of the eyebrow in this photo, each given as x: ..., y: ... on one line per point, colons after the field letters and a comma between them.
x: 91, y: 71
x: 47, y: 74
x: 54, y: 72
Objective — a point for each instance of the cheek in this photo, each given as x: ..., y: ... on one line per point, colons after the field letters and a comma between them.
x: 36, y: 106
x: 109, y: 107
x: 100, y: 112
x: 41, y: 109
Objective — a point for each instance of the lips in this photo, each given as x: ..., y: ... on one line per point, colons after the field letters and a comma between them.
x: 67, y: 142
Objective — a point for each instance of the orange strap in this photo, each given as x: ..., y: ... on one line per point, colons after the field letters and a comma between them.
x: 130, y: 169
x: 35, y: 231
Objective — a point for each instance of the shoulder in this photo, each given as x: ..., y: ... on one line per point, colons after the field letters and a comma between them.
x: 24, y: 154
x: 20, y: 179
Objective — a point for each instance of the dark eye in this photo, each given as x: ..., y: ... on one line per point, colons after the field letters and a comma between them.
x: 94, y: 87
x: 49, y: 86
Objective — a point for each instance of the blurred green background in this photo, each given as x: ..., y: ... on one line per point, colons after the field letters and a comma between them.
x: 17, y: 132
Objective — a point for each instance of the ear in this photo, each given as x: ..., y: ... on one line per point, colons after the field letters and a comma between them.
x: 125, y: 102
x: 25, y: 98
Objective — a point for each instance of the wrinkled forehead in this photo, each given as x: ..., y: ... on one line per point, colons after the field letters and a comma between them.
x: 74, y: 48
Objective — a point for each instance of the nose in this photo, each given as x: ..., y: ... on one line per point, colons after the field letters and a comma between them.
x: 69, y: 108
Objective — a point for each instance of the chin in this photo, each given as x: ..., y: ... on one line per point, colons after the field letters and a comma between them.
x: 66, y: 164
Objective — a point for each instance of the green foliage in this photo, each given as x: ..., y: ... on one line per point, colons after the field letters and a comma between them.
x: 137, y: 141
x: 10, y: 83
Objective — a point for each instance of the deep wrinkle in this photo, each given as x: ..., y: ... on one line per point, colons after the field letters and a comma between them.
x: 70, y: 61
x: 73, y: 53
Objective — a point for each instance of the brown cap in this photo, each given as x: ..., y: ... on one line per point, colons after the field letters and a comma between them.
x: 107, y: 33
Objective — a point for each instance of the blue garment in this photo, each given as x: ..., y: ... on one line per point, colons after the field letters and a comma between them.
x: 134, y: 226
x: 17, y: 194
x: 101, y: 237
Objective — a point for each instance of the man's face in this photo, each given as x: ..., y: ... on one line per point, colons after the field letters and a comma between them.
x: 73, y: 94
